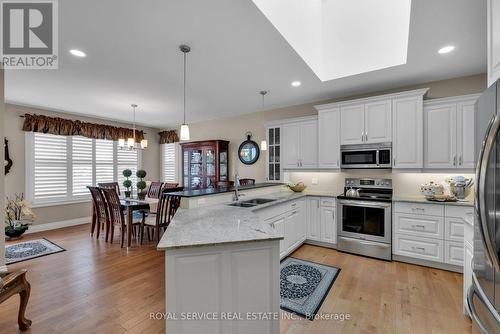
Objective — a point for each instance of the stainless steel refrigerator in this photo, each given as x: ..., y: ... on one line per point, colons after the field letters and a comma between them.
x: 483, y: 297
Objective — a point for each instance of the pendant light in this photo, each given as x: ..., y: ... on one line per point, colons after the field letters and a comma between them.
x: 131, y: 140
x: 184, y: 127
x: 263, y: 143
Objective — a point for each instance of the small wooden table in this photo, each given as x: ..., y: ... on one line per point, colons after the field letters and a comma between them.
x: 129, y: 205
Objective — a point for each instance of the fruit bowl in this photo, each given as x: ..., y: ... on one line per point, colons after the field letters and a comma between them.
x: 299, y: 187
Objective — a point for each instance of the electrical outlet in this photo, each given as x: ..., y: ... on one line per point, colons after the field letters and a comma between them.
x: 314, y: 180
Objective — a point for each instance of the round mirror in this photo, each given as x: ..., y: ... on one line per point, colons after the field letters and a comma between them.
x: 249, y: 151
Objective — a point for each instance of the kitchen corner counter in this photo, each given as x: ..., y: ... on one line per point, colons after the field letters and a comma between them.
x: 421, y: 199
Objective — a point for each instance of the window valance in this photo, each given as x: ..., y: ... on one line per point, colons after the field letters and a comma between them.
x: 168, y: 137
x: 66, y: 127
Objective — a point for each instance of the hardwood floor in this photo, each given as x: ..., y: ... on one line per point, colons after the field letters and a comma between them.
x: 95, y: 287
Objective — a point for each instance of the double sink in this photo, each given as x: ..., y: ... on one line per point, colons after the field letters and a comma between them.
x: 252, y: 202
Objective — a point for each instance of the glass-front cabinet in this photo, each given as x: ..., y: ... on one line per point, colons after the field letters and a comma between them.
x: 274, y: 170
x: 204, y: 163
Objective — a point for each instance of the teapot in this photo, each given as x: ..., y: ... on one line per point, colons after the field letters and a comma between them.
x: 352, y: 192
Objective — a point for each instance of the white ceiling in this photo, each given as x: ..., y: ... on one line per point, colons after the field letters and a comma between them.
x: 133, y: 57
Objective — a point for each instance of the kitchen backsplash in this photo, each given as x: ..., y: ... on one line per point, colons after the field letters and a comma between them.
x: 404, y: 184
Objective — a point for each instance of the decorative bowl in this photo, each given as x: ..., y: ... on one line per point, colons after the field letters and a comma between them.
x: 299, y: 187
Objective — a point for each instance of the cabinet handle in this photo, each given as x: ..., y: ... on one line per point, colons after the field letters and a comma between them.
x: 394, y: 161
x: 460, y: 161
x: 366, y: 136
x: 418, y: 209
x: 363, y: 136
x: 455, y: 160
x: 419, y: 248
x: 337, y: 162
x: 420, y: 226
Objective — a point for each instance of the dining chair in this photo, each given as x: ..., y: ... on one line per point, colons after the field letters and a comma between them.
x: 224, y: 184
x: 167, y: 206
x: 170, y: 185
x: 247, y: 182
x: 116, y: 216
x: 100, y: 212
x: 110, y: 185
x: 154, y: 190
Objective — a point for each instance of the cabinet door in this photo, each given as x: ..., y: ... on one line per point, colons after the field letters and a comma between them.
x: 352, y: 124
x: 329, y: 138
x: 279, y: 224
x: 290, y: 145
x: 308, y: 154
x: 408, y: 129
x: 440, y: 141
x: 291, y: 229
x: 465, y: 134
x: 274, y: 169
x: 378, y: 122
x: 328, y: 225
x: 493, y: 27
x: 314, y: 220
x: 301, y: 223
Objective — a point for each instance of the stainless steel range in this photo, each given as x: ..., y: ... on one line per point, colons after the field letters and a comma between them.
x: 364, y: 218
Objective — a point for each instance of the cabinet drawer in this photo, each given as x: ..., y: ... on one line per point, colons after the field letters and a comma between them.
x: 327, y: 202
x: 454, y: 253
x: 419, y: 208
x: 419, y: 225
x: 454, y: 229
x: 464, y: 212
x: 420, y: 248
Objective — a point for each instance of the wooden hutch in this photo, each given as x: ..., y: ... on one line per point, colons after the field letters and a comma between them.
x: 204, y: 163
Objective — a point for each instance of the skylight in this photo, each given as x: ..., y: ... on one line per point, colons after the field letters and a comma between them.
x: 340, y: 38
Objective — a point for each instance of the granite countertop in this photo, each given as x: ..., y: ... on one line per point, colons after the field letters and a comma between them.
x: 215, y: 191
x: 422, y: 199
x: 222, y: 224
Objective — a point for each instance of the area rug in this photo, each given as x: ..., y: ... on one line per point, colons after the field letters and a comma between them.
x: 31, y: 249
x: 304, y: 286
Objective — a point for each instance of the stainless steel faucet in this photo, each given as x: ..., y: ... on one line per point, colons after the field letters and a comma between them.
x: 236, y: 187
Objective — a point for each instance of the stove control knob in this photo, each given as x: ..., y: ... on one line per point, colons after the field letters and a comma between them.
x: 377, y: 183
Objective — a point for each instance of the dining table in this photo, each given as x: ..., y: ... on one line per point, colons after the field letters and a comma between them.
x: 129, y: 205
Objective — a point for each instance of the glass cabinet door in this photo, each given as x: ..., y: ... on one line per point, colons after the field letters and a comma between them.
x: 210, y: 164
x: 196, y: 168
x: 274, y: 151
x: 223, y: 166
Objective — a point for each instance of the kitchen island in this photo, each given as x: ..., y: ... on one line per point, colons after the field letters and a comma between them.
x: 222, y: 269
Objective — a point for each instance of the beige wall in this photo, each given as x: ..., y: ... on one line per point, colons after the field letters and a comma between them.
x: 14, y: 181
x: 234, y: 128
x: 2, y: 186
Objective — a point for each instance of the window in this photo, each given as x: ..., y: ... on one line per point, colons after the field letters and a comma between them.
x: 169, y: 162
x: 59, y: 168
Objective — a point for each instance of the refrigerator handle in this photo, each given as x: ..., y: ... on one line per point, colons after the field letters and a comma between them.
x: 480, y: 203
x: 473, y: 312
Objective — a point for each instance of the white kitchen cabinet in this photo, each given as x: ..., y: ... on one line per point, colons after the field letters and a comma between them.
x: 419, y: 247
x: 300, y: 145
x: 449, y: 129
x: 440, y: 125
x: 313, y: 221
x: 329, y: 138
x: 454, y: 253
x: 407, y: 132
x: 274, y: 170
x: 493, y: 32
x: 279, y: 224
x: 328, y: 224
x: 378, y: 121
x: 352, y: 128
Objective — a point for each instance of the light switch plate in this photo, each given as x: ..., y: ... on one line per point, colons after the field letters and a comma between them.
x: 314, y: 180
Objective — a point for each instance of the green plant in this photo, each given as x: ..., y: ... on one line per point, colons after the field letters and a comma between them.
x: 127, y: 173
x: 141, y: 173
x: 127, y: 183
x: 141, y: 185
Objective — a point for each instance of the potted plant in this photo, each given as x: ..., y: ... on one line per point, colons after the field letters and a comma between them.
x: 141, y: 184
x: 18, y: 216
x: 127, y: 183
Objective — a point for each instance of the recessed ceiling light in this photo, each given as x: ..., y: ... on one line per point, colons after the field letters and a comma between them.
x: 296, y: 83
x: 78, y: 53
x: 446, y: 49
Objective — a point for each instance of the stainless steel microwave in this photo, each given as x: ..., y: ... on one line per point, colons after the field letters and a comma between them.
x: 366, y: 156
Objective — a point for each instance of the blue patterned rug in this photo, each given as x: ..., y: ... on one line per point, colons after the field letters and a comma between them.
x: 31, y: 249
x: 304, y: 286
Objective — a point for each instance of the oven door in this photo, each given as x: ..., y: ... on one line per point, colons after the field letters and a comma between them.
x: 365, y: 220
x: 359, y: 158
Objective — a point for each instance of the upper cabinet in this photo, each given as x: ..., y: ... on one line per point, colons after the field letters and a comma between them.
x: 407, y: 132
x: 274, y: 166
x: 449, y: 133
x: 329, y: 138
x: 300, y: 144
x: 366, y: 123
x: 493, y: 24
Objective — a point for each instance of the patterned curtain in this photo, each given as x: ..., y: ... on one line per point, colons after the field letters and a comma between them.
x: 66, y: 127
x: 169, y: 136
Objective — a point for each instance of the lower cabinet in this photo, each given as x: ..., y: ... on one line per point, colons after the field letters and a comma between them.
x: 321, y: 222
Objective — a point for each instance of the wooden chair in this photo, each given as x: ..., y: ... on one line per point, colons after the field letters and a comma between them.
x: 154, y: 190
x: 101, y: 218
x: 13, y: 283
x: 170, y: 185
x: 167, y: 206
x: 172, y: 190
x: 110, y: 185
x: 224, y: 184
x: 247, y: 182
x: 115, y: 213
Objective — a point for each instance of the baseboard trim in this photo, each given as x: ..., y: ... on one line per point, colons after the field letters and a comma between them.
x: 56, y: 225
x: 426, y: 263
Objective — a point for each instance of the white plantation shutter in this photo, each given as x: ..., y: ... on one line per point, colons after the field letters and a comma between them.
x: 169, y: 162
x: 82, y: 165
x: 104, y: 161
x: 127, y: 160
x: 50, y: 172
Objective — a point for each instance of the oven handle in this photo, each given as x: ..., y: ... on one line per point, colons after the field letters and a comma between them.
x: 382, y: 205
x: 365, y: 242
